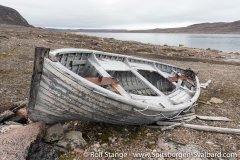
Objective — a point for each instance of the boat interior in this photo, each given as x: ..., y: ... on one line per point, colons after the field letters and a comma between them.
x: 132, y: 77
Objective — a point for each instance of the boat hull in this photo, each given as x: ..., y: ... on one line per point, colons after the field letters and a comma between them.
x: 58, y: 95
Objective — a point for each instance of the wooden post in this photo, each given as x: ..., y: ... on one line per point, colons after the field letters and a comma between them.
x: 40, y: 54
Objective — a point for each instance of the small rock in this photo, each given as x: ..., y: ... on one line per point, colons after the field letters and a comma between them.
x: 65, y: 127
x: 78, y: 150
x: 112, y: 139
x: 104, y: 145
x: 216, y: 100
x: 148, y: 134
x: 208, y: 103
x: 151, y: 142
x: 71, y: 140
x: 54, y: 133
x: 96, y: 145
x: 210, y: 142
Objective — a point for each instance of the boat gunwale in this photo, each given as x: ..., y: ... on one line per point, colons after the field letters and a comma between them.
x: 80, y: 50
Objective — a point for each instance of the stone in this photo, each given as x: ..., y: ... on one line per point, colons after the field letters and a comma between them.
x: 104, y: 145
x: 148, y: 134
x: 15, y: 143
x: 96, y: 145
x: 151, y: 142
x: 112, y: 139
x: 72, y: 140
x: 54, y: 133
x: 215, y: 100
x: 40, y: 151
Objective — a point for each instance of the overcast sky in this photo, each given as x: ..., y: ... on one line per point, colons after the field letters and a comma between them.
x: 130, y: 14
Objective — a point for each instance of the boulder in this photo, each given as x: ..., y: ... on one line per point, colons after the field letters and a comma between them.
x: 15, y: 142
x: 54, y: 133
x: 40, y: 151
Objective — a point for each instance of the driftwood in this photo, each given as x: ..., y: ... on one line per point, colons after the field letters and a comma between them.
x: 202, y: 128
x: 213, y: 118
x: 192, y: 116
x: 171, y: 127
x: 203, y: 102
x: 6, y: 114
x: 186, y: 118
x: 205, y: 85
x: 12, y: 106
x: 4, y: 106
x: 19, y: 105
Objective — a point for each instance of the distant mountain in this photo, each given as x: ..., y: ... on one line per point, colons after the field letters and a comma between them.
x: 11, y: 17
x: 220, y: 27
x: 210, y: 28
x: 89, y: 30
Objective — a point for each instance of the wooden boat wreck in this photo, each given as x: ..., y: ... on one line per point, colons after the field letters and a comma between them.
x: 81, y: 84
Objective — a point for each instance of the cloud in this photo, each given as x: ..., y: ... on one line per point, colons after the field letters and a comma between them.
x: 124, y: 13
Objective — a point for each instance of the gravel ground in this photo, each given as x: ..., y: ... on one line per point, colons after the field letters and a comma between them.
x: 16, y: 60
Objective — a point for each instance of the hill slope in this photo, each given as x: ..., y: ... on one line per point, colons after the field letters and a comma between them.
x: 220, y: 27
x: 11, y: 17
x: 209, y: 28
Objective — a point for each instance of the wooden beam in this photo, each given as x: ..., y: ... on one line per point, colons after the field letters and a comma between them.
x: 201, y: 127
x: 94, y: 62
x: 40, y: 54
x: 101, y: 81
x: 214, y: 118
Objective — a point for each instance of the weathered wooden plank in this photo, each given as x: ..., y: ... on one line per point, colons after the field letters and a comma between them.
x: 78, y: 62
x: 64, y: 59
x: 69, y: 60
x: 97, y: 103
x: 76, y: 58
x: 6, y: 114
x: 40, y: 54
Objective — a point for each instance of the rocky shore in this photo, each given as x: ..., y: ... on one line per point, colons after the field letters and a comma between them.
x: 78, y: 139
